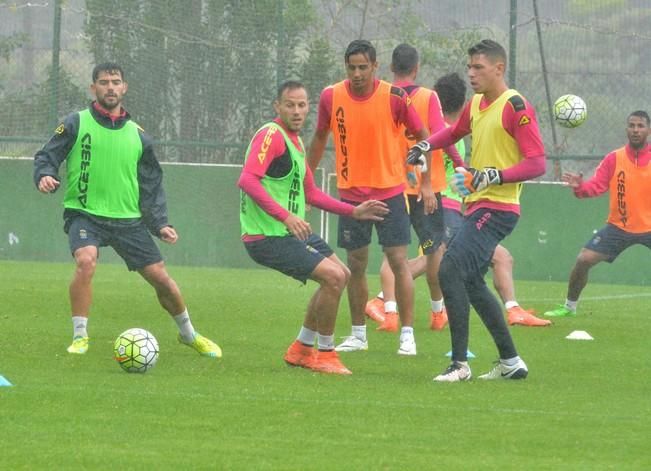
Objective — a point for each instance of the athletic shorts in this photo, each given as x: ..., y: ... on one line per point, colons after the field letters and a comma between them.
x: 429, y: 228
x: 393, y: 231
x: 132, y: 242
x: 452, y: 220
x: 473, y: 245
x: 611, y: 241
x: 289, y: 255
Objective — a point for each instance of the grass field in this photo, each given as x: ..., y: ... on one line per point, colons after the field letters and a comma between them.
x: 585, y: 405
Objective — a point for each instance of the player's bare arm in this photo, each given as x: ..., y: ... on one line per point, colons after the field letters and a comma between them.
x: 317, y: 147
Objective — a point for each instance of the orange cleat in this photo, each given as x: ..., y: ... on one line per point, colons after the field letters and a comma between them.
x: 328, y: 362
x: 375, y: 309
x: 438, y: 320
x: 391, y: 322
x: 518, y: 316
x: 299, y: 354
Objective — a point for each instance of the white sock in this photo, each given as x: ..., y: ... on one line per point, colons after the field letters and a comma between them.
x: 571, y: 305
x: 326, y: 342
x: 510, y: 361
x: 437, y: 306
x: 390, y: 306
x: 406, y: 332
x: 380, y: 295
x: 79, y: 324
x: 306, y: 336
x: 185, y: 325
x: 510, y: 304
x: 359, y: 331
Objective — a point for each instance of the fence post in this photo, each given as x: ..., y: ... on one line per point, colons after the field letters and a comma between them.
x: 513, y: 43
x: 56, y: 51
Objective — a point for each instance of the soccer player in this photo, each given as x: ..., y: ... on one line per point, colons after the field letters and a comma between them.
x: 114, y: 196
x: 626, y: 173
x: 506, y: 150
x: 276, y: 184
x: 428, y: 227
x: 366, y: 116
x: 451, y: 91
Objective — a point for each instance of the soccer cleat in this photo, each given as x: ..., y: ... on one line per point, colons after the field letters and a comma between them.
x: 352, y: 344
x: 375, y: 310
x: 328, y: 362
x: 203, y: 346
x: 456, y: 372
x: 518, y: 316
x: 390, y: 324
x: 407, y: 346
x: 299, y: 354
x: 502, y: 371
x: 79, y: 345
x: 560, y: 311
x: 438, y: 320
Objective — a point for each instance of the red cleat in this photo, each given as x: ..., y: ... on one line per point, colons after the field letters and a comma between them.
x: 375, y: 310
x: 328, y: 362
x: 438, y: 320
x: 518, y: 316
x: 391, y: 322
x: 299, y: 354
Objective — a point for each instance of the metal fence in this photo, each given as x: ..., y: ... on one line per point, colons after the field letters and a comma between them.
x: 202, y: 73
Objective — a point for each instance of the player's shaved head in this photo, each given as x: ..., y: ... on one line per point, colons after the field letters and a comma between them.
x: 404, y: 59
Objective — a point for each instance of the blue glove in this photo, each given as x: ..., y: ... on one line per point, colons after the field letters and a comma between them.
x: 470, y: 180
x: 415, y: 155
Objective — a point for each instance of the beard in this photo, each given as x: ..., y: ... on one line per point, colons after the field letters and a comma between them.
x: 109, y: 105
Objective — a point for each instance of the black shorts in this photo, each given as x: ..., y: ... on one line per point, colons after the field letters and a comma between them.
x: 472, y: 247
x: 289, y: 255
x: 611, y: 241
x: 132, y: 242
x: 452, y: 220
x: 429, y: 228
x: 393, y: 231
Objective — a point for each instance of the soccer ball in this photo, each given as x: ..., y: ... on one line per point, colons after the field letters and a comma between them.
x: 570, y: 111
x: 136, y: 350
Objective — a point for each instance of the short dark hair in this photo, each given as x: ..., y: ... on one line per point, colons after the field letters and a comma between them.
x: 360, y: 46
x: 641, y: 114
x: 404, y: 59
x: 110, y: 67
x: 490, y: 49
x: 288, y: 85
x: 451, y: 90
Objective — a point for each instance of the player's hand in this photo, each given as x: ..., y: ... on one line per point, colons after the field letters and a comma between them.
x: 168, y: 235
x: 48, y: 184
x: 416, y: 156
x: 573, y: 180
x: 371, y: 210
x: 428, y: 197
x: 298, y: 227
x: 470, y: 180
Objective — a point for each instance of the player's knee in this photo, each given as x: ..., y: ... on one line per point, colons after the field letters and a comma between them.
x: 586, y: 259
x: 86, y: 263
x: 335, y: 278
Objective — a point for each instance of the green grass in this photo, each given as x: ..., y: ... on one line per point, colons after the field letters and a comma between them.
x: 585, y: 404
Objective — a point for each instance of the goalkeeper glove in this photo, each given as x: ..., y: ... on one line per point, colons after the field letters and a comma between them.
x: 470, y: 180
x: 415, y: 155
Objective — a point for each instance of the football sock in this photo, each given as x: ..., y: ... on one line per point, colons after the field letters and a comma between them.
x: 390, y: 306
x: 326, y: 342
x: 510, y: 304
x: 510, y: 361
x: 437, y: 306
x: 359, y: 331
x: 79, y: 324
x: 406, y: 332
x: 185, y: 326
x: 571, y: 305
x: 306, y: 336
